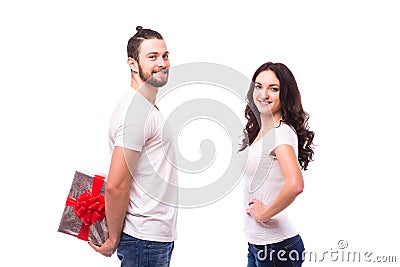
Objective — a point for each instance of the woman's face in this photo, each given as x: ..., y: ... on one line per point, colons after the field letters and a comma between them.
x: 266, y: 93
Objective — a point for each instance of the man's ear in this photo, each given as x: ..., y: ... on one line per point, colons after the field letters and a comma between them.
x: 133, y: 64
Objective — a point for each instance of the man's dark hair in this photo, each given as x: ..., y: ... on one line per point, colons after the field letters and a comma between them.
x: 135, y: 41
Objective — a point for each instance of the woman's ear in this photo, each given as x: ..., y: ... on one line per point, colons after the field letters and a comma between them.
x: 133, y: 64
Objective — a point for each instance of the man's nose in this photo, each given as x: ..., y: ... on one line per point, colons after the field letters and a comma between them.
x: 161, y: 62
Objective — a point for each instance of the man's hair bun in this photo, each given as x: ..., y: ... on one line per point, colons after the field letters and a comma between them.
x: 139, y: 28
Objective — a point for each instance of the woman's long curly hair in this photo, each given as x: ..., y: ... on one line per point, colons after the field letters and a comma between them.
x: 292, y: 112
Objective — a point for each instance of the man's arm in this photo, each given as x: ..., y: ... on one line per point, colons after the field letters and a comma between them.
x: 123, y: 162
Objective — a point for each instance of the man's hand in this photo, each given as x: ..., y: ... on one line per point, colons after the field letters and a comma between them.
x: 107, y: 249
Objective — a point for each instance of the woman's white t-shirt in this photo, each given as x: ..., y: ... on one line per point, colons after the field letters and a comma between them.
x: 263, y: 180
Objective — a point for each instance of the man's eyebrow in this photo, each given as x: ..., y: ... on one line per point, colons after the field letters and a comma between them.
x: 156, y: 53
x: 152, y: 53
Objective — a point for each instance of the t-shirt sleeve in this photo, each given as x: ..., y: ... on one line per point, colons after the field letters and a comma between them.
x: 130, y: 136
x: 284, y: 135
x: 131, y: 131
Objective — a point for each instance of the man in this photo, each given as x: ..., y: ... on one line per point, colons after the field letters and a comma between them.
x: 140, y: 208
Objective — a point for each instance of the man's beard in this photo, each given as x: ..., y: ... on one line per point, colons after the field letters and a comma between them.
x: 156, y: 80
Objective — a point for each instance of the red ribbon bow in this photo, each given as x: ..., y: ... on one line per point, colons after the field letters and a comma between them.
x: 89, y: 207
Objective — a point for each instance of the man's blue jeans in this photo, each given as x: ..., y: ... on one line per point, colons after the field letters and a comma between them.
x: 134, y: 252
x: 286, y: 253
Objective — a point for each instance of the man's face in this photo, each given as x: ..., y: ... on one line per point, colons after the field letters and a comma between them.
x: 153, y: 62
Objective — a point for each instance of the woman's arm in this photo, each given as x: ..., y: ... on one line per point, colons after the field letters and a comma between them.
x: 292, y: 187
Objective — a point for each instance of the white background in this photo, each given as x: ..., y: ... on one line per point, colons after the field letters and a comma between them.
x: 63, y: 68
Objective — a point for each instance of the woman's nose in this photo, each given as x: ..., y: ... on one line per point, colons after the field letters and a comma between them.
x: 265, y: 93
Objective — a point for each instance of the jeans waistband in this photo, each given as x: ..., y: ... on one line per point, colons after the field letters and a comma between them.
x: 285, y: 242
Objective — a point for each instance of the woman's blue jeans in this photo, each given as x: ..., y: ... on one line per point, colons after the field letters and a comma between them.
x: 288, y: 252
x: 134, y: 252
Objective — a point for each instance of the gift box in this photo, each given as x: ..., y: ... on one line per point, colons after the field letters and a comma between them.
x: 84, y: 212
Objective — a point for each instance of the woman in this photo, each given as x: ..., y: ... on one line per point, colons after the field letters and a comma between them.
x: 279, y: 145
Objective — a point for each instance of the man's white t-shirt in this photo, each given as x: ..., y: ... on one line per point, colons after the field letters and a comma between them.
x: 263, y: 180
x: 137, y: 125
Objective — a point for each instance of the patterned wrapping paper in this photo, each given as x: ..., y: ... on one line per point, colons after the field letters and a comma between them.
x: 84, y: 214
